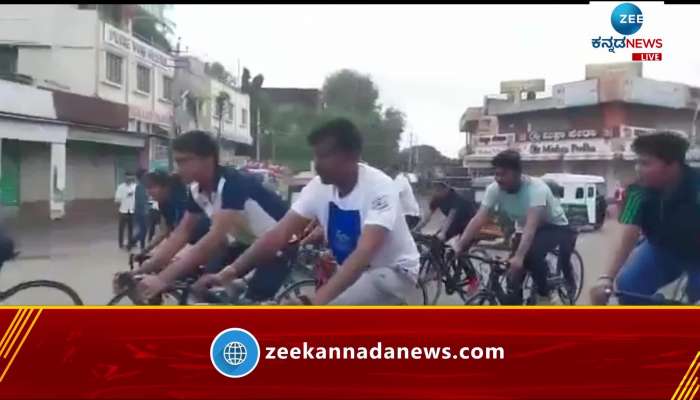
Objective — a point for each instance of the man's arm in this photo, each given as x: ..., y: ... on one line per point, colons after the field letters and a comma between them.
x: 532, y: 222
x: 265, y: 247
x: 163, y: 232
x: 371, y: 239
x: 119, y: 195
x: 175, y: 242
x: 480, y: 219
x: 425, y: 218
x: 223, y: 222
x: 447, y: 223
x: 628, y: 240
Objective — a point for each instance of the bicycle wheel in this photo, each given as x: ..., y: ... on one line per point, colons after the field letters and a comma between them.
x: 168, y: 298
x: 430, y: 282
x: 563, y: 290
x: 40, y: 292
x: 307, y: 287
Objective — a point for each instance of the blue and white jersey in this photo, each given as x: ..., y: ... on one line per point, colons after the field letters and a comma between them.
x: 373, y: 201
x: 235, y: 190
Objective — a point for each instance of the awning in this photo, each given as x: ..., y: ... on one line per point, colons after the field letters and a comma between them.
x: 32, y: 131
x: 107, y: 137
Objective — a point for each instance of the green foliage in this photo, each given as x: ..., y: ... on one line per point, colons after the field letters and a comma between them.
x: 346, y: 94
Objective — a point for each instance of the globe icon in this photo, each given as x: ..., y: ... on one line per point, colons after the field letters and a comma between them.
x: 235, y: 353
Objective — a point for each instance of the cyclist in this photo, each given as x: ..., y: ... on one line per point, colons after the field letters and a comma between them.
x: 240, y: 210
x: 170, y: 195
x: 664, y: 206
x: 411, y: 210
x: 358, y: 207
x: 531, y: 204
x: 459, y: 211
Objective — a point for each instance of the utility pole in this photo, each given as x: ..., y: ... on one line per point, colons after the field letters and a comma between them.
x: 410, y: 151
x: 257, y: 135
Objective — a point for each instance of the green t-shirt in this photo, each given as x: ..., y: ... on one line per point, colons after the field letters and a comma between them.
x: 534, y: 192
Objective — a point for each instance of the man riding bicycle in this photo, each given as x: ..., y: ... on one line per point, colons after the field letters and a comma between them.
x: 457, y: 210
x: 664, y: 206
x: 358, y: 207
x: 531, y: 204
x: 170, y: 194
x: 240, y: 209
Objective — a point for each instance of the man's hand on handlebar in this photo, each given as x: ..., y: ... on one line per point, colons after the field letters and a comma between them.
x: 205, y: 283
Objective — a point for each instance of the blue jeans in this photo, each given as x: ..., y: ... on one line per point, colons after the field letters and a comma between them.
x: 650, y: 267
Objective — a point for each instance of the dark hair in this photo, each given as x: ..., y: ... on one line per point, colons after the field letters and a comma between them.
x: 508, y: 159
x: 158, y: 178
x: 344, y: 133
x: 198, y: 143
x: 667, y: 146
x: 140, y: 173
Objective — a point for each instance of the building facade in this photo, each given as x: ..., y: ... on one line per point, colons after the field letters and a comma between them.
x: 101, y: 83
x: 584, y: 127
x: 197, y: 93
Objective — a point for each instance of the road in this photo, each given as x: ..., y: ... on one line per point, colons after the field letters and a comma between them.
x: 86, y: 258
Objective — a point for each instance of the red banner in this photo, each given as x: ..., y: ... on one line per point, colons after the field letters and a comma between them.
x: 344, y: 353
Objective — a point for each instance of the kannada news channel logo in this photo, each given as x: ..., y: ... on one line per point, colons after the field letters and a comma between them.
x: 235, y: 352
x: 627, y: 19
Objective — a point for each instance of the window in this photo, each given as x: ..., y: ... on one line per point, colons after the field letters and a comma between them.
x: 229, y: 112
x: 167, y: 88
x: 579, y: 193
x: 8, y: 60
x: 244, y: 117
x: 114, y: 68
x: 143, y: 78
x: 591, y: 192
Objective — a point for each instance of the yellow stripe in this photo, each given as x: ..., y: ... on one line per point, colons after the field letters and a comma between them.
x: 692, y: 396
x: 688, y: 388
x: 22, y: 313
x: 36, y: 317
x: 18, y: 332
x: 684, y: 383
x: 9, y: 328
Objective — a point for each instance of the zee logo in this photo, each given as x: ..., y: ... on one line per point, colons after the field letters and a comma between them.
x: 627, y: 19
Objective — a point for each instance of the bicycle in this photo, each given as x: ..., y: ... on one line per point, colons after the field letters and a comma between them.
x: 179, y: 292
x: 439, y: 267
x: 67, y: 296
x: 495, y: 291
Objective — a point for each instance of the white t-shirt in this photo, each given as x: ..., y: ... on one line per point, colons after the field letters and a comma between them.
x: 408, y: 200
x: 373, y: 201
x: 126, y: 197
x: 534, y: 192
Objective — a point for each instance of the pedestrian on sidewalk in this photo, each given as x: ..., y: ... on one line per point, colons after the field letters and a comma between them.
x: 141, y: 211
x: 125, y: 197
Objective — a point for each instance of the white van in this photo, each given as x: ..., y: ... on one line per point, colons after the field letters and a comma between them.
x: 583, y: 198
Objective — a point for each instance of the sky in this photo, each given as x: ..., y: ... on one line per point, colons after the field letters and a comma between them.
x: 431, y: 61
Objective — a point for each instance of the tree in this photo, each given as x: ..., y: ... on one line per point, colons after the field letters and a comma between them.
x: 351, y: 91
x: 221, y: 100
x: 217, y: 71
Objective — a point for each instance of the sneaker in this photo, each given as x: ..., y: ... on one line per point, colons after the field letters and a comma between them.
x: 543, y: 300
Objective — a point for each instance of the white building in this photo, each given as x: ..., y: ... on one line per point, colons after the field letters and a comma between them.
x: 112, y: 90
x: 193, y: 79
